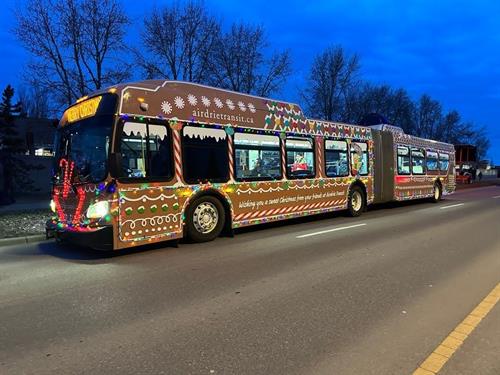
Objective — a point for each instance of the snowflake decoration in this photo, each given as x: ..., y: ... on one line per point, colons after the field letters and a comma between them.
x: 205, y: 101
x: 230, y: 104
x: 192, y: 99
x: 218, y: 103
x: 242, y: 106
x: 166, y: 107
x: 251, y: 107
x: 179, y: 102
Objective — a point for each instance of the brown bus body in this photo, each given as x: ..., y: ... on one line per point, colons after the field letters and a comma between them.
x: 389, y: 185
x: 146, y: 209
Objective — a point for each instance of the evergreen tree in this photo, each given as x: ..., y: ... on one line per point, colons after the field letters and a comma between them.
x: 13, y: 169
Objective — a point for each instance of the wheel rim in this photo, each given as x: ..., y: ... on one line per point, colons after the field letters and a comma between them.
x: 436, y: 193
x: 205, y: 217
x: 356, y: 201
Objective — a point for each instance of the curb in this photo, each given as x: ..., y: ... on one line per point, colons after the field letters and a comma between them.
x: 22, y: 240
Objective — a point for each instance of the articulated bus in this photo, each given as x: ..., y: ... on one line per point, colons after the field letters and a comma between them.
x: 152, y: 161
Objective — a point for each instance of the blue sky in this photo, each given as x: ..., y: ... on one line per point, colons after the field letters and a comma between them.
x: 448, y: 49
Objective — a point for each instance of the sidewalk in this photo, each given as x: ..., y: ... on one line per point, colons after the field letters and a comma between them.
x: 482, y: 183
x: 479, y: 354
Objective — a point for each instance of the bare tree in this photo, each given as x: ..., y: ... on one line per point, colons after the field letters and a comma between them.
x: 333, y: 74
x: 453, y: 130
x: 75, y: 45
x: 34, y: 101
x: 335, y: 93
x: 239, y: 62
x: 395, y: 105
x: 432, y: 124
x: 429, y: 117
x: 184, y: 41
x: 480, y: 139
x: 178, y: 41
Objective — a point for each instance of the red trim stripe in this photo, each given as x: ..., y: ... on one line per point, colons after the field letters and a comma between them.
x: 288, y: 210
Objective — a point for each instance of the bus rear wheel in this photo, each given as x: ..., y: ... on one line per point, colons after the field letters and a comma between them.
x: 355, y: 201
x: 205, y: 218
x: 437, y: 193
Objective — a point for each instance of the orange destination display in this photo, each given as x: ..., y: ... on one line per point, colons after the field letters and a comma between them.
x: 161, y: 160
x: 84, y: 109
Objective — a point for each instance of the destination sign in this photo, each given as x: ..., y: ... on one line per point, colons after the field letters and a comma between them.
x: 85, y: 109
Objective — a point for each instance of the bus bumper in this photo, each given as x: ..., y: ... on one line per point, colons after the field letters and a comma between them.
x: 98, y: 239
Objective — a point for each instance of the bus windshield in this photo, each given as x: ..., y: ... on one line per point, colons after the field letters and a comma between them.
x: 86, y: 144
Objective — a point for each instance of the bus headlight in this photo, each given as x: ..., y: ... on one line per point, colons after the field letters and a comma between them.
x: 98, y: 210
x: 53, y: 206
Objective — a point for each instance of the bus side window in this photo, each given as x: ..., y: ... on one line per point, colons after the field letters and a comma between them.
x: 359, y: 158
x: 444, y: 161
x: 160, y: 155
x: 417, y: 161
x: 257, y: 157
x: 205, y: 154
x: 336, y: 161
x: 403, y: 160
x: 134, y: 150
x: 299, y: 157
x: 432, y: 161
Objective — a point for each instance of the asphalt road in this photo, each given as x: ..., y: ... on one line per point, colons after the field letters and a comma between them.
x: 374, y: 298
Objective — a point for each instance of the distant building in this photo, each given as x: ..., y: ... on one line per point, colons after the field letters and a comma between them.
x: 466, y: 159
x: 484, y: 164
x: 38, y: 135
x: 466, y: 156
x: 488, y: 170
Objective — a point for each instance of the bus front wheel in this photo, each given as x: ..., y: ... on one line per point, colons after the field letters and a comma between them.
x: 355, y: 201
x: 204, y: 219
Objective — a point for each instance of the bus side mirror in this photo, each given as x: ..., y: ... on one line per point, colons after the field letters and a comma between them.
x: 115, y: 164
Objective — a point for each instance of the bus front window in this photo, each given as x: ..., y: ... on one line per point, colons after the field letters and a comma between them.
x: 86, y: 144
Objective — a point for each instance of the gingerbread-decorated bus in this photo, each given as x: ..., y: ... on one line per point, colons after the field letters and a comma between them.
x: 153, y: 161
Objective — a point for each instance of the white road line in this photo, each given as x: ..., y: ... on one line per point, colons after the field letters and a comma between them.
x: 450, y: 206
x: 496, y: 197
x: 330, y: 230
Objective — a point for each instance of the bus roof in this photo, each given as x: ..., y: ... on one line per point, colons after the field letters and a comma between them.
x: 411, y: 140
x: 191, y: 102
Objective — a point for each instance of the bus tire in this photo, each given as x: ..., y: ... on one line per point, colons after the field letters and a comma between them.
x: 355, y: 201
x: 205, y: 218
x: 437, y: 193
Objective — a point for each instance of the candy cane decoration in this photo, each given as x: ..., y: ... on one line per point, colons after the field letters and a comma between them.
x: 81, y: 198
x: 230, y: 148
x: 319, y: 144
x: 177, y: 155
x: 283, y: 159
x: 60, y: 211
x: 67, y: 175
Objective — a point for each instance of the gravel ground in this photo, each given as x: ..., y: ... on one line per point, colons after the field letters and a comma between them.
x: 23, y: 223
